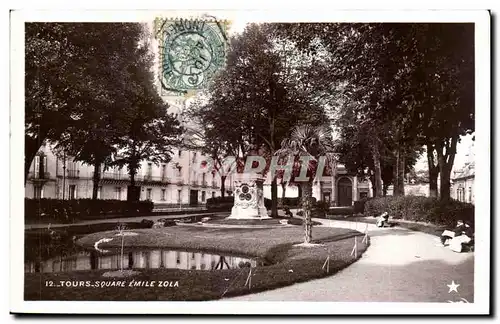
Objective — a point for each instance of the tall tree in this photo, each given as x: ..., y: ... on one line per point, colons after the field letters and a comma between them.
x: 261, y: 94
x: 149, y: 131
x: 73, y: 70
x: 419, y: 78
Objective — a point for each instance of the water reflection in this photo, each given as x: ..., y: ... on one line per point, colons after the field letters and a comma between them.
x: 145, y: 259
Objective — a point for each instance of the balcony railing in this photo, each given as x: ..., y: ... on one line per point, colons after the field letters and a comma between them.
x: 39, y: 175
x: 153, y: 179
x: 115, y: 176
x: 194, y: 183
x: 73, y: 174
x: 204, y: 184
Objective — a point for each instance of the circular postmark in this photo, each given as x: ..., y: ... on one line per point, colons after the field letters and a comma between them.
x: 193, y: 51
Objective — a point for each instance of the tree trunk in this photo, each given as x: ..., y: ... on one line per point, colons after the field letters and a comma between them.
x: 384, y: 189
x: 374, y: 189
x: 399, y: 189
x: 31, y: 148
x: 274, y: 198
x: 445, y: 183
x: 377, y: 190
x: 307, y: 208
x: 433, y: 171
x: 283, y: 193
x: 445, y: 161
x: 132, y: 174
x: 223, y: 186
x: 95, y: 179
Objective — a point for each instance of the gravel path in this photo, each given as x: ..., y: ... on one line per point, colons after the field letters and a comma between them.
x: 399, y: 266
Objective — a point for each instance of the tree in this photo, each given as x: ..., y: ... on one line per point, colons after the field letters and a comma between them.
x: 308, y: 143
x: 150, y: 133
x: 260, y: 95
x: 73, y: 70
x: 422, y: 85
x: 444, y: 93
x: 219, y: 137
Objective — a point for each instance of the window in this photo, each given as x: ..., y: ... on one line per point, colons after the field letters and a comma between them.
x: 204, y: 178
x: 213, y: 194
x: 180, y: 153
x: 37, y: 166
x: 72, y: 191
x: 149, y: 194
x: 37, y: 192
x: 179, y: 193
x: 99, y: 192
x: 178, y: 257
x: 163, y: 191
x: 40, y: 166
x: 203, y: 194
x: 118, y: 193
x: 179, y: 171
x: 150, y: 170
x: 470, y: 194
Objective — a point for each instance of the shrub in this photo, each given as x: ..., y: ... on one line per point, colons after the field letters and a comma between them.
x: 421, y: 209
x: 292, y: 202
x: 67, y: 211
x: 359, y: 206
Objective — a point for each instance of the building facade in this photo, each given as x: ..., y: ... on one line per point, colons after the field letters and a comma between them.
x: 174, y: 183
x: 462, y: 187
x: 342, y: 189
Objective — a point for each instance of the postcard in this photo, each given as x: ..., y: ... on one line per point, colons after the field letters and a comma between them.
x: 250, y: 162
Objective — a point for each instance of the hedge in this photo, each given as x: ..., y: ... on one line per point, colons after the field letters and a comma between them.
x: 67, y: 211
x: 226, y: 203
x: 422, y: 209
x: 292, y: 202
x: 359, y: 205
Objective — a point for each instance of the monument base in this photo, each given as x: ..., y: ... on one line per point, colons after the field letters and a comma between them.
x: 249, y: 198
x: 240, y: 213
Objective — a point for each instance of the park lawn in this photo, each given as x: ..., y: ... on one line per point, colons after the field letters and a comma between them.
x: 288, y: 264
x: 270, y: 221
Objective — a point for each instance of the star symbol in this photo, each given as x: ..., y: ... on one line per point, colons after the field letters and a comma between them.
x: 453, y: 287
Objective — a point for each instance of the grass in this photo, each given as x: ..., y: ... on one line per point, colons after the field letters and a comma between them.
x: 289, y: 264
x: 271, y: 221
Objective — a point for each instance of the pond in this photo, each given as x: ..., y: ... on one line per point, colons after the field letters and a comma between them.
x: 44, y: 254
x: 138, y: 259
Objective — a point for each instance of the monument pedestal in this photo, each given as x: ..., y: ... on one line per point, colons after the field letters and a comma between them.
x: 249, y: 198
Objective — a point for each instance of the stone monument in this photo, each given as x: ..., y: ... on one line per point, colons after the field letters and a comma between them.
x: 249, y: 198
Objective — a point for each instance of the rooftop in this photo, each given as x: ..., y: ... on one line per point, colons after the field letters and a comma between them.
x: 467, y: 171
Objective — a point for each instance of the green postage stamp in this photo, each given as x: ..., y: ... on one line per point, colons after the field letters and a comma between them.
x: 191, y: 52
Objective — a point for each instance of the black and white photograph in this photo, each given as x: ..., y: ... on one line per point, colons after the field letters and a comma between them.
x: 217, y: 159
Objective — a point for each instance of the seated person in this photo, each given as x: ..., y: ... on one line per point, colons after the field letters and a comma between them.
x: 462, y: 235
x: 383, y: 220
x: 288, y: 212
